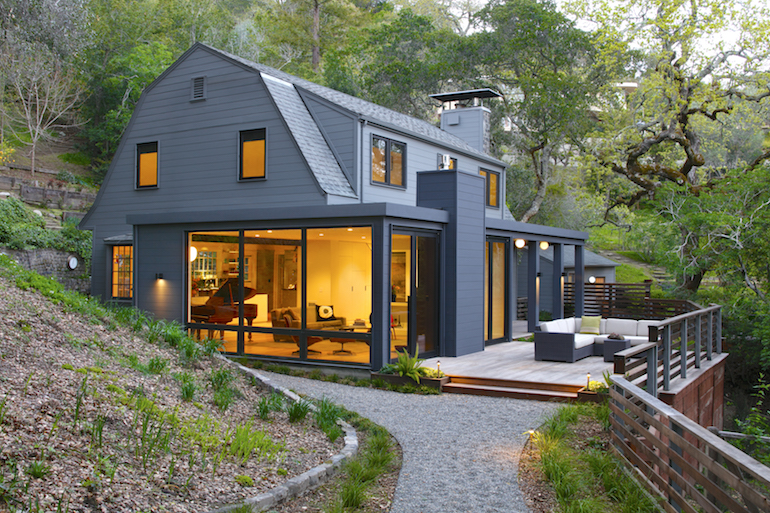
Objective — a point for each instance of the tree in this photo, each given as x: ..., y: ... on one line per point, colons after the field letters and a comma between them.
x: 545, y: 66
x: 43, y: 93
x: 700, y: 61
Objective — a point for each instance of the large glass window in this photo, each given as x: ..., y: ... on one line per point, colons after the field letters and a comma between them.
x: 388, y: 161
x: 122, y: 272
x: 246, y: 290
x: 147, y: 165
x: 252, y: 154
x: 495, y: 285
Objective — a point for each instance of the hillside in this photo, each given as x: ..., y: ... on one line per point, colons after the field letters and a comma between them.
x: 93, y: 417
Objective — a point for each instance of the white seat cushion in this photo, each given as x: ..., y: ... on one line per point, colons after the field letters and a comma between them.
x: 642, y: 328
x: 621, y: 326
x: 635, y: 341
x: 570, y: 324
x: 582, y: 340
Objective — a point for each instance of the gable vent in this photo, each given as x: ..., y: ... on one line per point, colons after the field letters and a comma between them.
x: 198, y: 88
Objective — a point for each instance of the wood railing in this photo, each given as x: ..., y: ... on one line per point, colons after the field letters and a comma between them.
x: 676, y: 345
x: 624, y: 301
x: 681, y: 462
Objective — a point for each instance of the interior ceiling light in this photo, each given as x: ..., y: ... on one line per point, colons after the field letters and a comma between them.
x: 193, y: 253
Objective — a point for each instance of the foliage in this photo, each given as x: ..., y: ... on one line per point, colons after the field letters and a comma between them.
x: 756, y: 424
x: 21, y: 228
x: 408, y: 365
x: 298, y: 410
x: 625, y: 273
x: 577, y: 473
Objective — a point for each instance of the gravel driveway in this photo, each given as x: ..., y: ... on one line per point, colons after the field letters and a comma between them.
x: 460, y: 452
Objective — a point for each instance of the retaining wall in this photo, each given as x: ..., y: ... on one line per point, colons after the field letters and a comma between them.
x: 53, y: 263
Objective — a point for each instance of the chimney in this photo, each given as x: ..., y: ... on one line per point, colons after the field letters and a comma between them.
x: 463, y: 115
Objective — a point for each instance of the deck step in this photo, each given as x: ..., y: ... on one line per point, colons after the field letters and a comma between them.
x: 508, y: 383
x: 512, y: 392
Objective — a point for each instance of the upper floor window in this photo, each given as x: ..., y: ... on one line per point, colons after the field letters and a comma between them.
x: 493, y: 181
x: 252, y: 163
x: 388, y: 161
x: 147, y: 165
x: 446, y: 162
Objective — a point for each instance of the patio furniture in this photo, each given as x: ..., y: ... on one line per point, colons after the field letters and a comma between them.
x: 561, y: 340
x: 613, y: 345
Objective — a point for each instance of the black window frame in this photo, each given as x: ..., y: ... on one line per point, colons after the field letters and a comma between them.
x: 488, y: 195
x: 254, y: 134
x: 388, y: 143
x: 141, y: 149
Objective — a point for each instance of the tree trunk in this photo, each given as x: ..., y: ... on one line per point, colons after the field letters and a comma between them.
x: 692, y: 282
x: 316, y: 35
x: 542, y: 167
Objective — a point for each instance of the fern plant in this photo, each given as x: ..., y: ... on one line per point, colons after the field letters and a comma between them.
x: 408, y: 365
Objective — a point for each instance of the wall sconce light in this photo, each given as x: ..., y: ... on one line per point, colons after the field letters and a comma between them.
x: 193, y: 253
x: 519, y: 243
x: 543, y: 245
x: 592, y: 279
x: 158, y: 276
x: 72, y: 263
x: 539, y: 274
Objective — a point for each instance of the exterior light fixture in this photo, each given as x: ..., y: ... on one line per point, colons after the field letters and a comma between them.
x: 592, y: 279
x: 72, y: 262
x: 193, y: 253
x: 438, y: 368
x: 158, y: 276
x: 543, y: 245
x: 588, y: 380
x: 519, y: 243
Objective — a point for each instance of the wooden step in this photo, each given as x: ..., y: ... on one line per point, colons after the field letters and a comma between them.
x: 512, y: 392
x: 507, y: 383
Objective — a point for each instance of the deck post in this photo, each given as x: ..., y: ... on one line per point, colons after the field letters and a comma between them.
x: 533, y: 285
x: 652, y: 371
x: 709, y: 335
x: 698, y: 328
x: 580, y: 279
x: 719, y: 331
x: 557, y: 285
x: 666, y: 357
x: 683, y: 341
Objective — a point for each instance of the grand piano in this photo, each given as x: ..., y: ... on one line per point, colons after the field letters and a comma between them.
x: 222, y: 306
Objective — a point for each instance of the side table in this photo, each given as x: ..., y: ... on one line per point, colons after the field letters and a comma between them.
x: 612, y: 346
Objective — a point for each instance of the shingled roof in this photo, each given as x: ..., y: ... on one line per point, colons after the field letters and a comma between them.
x: 368, y: 110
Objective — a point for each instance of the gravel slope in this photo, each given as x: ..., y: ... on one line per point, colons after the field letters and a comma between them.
x: 460, y: 453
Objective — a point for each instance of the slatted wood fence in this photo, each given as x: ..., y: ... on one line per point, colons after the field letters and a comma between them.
x: 681, y: 462
x: 624, y: 301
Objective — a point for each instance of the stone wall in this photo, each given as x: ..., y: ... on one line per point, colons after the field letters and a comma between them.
x: 53, y: 263
x: 56, y: 198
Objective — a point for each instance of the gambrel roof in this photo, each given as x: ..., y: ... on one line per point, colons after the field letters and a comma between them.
x: 369, y: 111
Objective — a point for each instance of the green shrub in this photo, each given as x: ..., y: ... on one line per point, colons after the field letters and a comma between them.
x: 298, y: 410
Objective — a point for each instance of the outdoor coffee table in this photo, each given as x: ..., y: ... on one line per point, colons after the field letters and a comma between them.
x: 612, y: 346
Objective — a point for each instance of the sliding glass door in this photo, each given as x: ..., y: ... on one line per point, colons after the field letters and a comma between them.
x: 414, y: 293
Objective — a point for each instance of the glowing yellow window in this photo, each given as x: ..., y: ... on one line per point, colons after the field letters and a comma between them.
x: 493, y: 179
x: 147, y: 165
x: 252, y: 154
x: 122, y: 272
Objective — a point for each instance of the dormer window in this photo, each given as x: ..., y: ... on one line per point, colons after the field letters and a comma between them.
x: 388, y: 162
x: 493, y: 181
x: 198, y: 91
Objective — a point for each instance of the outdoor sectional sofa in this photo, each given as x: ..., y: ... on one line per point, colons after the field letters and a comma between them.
x: 561, y: 341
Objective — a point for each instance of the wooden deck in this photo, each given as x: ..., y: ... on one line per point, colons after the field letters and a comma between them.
x: 512, y: 365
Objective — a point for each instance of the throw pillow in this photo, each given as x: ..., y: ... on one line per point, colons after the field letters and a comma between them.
x: 325, y: 313
x: 590, y: 324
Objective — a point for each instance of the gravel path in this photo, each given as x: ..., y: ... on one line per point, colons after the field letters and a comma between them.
x: 460, y: 452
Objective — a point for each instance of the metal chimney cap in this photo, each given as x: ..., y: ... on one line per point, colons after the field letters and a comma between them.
x: 466, y: 95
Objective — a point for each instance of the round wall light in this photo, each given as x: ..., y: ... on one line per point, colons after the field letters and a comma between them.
x: 592, y: 279
x: 72, y: 262
x: 543, y: 245
x: 519, y: 243
x: 193, y: 253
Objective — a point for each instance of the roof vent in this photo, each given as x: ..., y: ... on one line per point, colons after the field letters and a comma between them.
x: 198, y: 89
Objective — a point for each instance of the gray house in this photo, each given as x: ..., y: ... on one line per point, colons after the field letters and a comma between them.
x: 297, y: 223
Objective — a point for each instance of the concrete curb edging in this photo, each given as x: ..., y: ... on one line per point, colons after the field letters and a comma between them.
x: 307, y: 480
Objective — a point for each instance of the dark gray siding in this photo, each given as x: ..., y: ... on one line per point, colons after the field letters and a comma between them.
x: 198, y: 153
x: 160, y: 249
x: 462, y: 196
x: 340, y: 132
